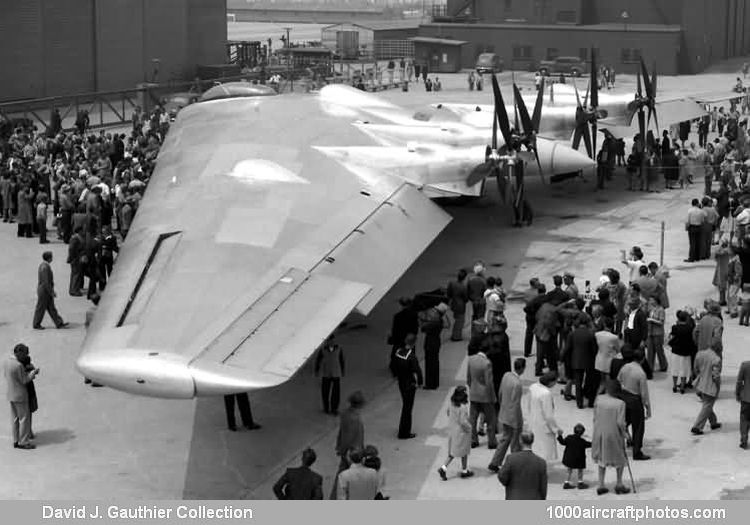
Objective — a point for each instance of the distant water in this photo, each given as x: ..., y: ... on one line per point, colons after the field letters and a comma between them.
x: 262, y: 31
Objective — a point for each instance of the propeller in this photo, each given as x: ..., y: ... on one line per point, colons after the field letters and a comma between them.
x: 530, y: 124
x: 644, y: 101
x: 587, y: 114
x: 496, y: 158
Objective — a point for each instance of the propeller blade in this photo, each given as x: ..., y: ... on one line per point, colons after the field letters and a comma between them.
x: 594, y: 81
x: 551, y: 91
x: 502, y: 114
x: 515, y: 107
x: 501, y: 184
x: 539, y: 165
x: 578, y: 97
x: 593, y: 136
x: 642, y: 126
x: 494, y: 133
x: 521, y: 108
x: 640, y: 91
x: 536, y: 118
x: 653, y: 83
x: 586, y: 98
x: 656, y: 120
x: 646, y: 79
x: 587, y: 141
x: 577, y: 137
x: 479, y: 173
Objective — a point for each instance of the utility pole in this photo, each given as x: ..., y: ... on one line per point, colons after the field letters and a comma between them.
x: 289, y: 70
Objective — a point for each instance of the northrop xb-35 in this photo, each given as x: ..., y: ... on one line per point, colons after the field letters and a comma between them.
x: 266, y: 222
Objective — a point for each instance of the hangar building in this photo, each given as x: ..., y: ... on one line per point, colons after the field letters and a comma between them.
x: 681, y: 36
x: 62, y: 47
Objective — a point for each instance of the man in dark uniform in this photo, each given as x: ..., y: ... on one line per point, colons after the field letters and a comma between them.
x: 409, y: 376
x: 76, y: 256
x: 243, y: 402
x: 45, y: 295
x: 300, y: 483
x: 405, y: 321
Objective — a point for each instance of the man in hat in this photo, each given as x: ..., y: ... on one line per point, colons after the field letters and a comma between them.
x: 67, y: 209
x: 76, y: 260
x: 45, y: 295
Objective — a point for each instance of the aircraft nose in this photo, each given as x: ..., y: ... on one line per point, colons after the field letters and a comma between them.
x: 568, y: 160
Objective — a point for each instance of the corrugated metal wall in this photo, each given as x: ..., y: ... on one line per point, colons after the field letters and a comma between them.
x: 59, y: 47
x: 21, y: 49
x: 165, y: 38
x: 119, y: 40
x: 207, y: 31
x: 68, y: 50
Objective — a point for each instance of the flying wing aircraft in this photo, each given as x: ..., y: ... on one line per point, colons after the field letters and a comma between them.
x: 257, y: 236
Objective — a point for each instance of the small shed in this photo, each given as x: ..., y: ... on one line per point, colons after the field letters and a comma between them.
x: 348, y: 41
x: 440, y: 55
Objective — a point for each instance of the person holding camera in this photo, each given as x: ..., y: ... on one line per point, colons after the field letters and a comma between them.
x: 18, y: 378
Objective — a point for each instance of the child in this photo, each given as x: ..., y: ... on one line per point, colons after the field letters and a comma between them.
x: 574, y: 456
x: 459, y: 440
x: 745, y: 310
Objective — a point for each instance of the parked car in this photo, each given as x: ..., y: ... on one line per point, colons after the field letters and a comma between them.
x: 570, y: 66
x: 489, y: 63
x: 176, y: 101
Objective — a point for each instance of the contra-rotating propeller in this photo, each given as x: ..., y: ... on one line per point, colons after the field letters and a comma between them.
x: 497, y: 158
x: 587, y: 115
x: 645, y: 101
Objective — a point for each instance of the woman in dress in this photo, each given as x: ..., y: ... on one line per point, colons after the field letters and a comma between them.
x: 459, y: 433
x: 542, y: 417
x: 608, y: 442
x: 683, y: 346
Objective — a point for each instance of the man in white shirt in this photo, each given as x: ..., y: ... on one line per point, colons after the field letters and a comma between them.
x: 696, y: 217
x: 633, y: 262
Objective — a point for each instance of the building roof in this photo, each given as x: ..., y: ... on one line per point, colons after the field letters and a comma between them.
x: 630, y: 28
x: 381, y: 25
x: 441, y: 41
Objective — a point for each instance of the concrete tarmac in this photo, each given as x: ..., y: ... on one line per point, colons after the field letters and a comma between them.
x: 96, y: 443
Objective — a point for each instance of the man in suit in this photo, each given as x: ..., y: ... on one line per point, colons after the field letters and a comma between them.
x: 358, y: 482
x: 582, y: 347
x: 76, y: 258
x: 409, y: 376
x: 481, y: 397
x: 510, y: 415
x: 636, y: 325
x: 524, y: 474
x: 742, y: 393
x: 300, y: 482
x: 17, y: 379
x: 45, y: 295
x: 707, y: 369
x: 243, y: 402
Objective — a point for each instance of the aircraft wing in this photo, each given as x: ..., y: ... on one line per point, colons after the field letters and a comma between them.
x: 249, y: 247
x: 713, y: 97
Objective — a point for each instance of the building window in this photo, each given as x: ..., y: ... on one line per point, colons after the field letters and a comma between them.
x: 566, y: 17
x: 522, y: 52
x: 508, y: 5
x: 630, y: 56
x: 552, y: 53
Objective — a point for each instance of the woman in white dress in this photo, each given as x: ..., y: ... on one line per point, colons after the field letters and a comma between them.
x: 542, y: 417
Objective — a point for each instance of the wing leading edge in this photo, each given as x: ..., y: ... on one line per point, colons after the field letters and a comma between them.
x: 200, y: 305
